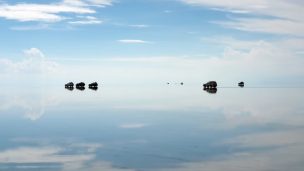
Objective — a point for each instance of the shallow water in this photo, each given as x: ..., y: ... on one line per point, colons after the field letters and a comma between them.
x: 138, y: 128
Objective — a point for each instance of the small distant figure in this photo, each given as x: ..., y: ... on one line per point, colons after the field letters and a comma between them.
x: 241, y: 84
x: 182, y: 83
x: 70, y: 84
x: 93, y: 86
x: 210, y: 85
x: 168, y: 83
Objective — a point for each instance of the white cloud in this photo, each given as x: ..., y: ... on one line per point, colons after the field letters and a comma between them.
x: 231, y: 11
x: 233, y: 4
x: 33, y: 102
x: 81, y: 156
x: 33, y: 52
x: 231, y: 42
x: 40, y: 155
x: 35, y: 62
x: 74, y: 2
x: 101, y: 2
x: 282, y: 16
x: 278, y: 8
x: 274, y: 26
x: 87, y: 20
x: 290, y: 45
x: 39, y: 12
x: 49, y: 12
x: 49, y: 155
x: 133, y: 41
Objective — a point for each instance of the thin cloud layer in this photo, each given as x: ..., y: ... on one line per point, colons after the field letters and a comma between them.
x: 87, y: 20
x: 50, y: 156
x: 53, y: 12
x: 133, y: 41
x: 270, y: 16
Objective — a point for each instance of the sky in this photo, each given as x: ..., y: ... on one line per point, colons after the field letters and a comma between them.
x: 260, y: 42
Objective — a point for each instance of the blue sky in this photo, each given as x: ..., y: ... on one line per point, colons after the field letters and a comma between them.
x: 217, y: 35
x: 166, y: 25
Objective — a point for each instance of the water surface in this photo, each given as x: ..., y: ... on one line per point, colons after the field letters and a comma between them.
x: 139, y: 128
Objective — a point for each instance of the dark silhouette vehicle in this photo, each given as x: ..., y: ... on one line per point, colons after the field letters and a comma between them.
x: 95, y: 84
x: 182, y: 83
x: 210, y: 85
x: 241, y: 84
x: 81, y: 84
x: 211, y: 90
x: 70, y: 84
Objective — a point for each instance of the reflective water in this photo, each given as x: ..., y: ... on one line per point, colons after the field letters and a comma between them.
x: 167, y: 127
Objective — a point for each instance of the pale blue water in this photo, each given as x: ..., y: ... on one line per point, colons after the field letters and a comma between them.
x: 166, y: 127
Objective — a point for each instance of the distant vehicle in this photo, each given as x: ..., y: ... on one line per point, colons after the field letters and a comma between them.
x: 241, y: 84
x: 210, y: 85
x: 95, y: 84
x: 81, y: 84
x: 70, y: 84
x: 182, y: 83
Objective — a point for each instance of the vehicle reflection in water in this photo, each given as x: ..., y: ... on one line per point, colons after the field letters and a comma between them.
x: 152, y: 128
x: 80, y: 88
x: 93, y: 88
x: 69, y: 88
x: 211, y: 90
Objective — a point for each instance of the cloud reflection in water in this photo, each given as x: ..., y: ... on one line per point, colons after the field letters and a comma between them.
x: 158, y: 128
